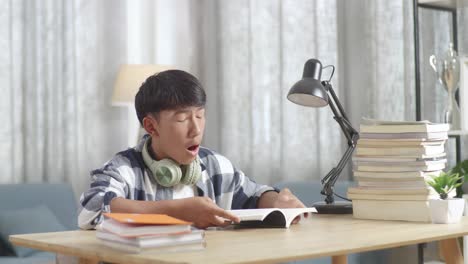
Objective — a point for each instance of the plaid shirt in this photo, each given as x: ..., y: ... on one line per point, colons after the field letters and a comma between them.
x: 127, y: 176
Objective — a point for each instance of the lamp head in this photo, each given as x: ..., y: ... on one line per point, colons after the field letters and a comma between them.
x: 309, y: 91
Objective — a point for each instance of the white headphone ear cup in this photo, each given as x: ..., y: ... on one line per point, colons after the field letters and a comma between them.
x: 166, y: 172
x: 192, y: 172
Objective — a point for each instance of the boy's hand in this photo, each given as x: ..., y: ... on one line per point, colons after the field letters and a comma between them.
x: 283, y: 199
x: 286, y: 199
x: 202, y: 212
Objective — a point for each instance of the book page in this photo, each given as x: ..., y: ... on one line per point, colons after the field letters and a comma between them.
x: 271, y: 216
x: 370, y: 121
x: 291, y: 213
x: 406, y: 135
x: 252, y: 214
x: 126, y: 229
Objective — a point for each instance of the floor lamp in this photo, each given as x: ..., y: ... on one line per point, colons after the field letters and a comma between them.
x: 129, y: 80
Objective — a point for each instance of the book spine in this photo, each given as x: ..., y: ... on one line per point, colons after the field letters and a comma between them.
x: 417, y: 211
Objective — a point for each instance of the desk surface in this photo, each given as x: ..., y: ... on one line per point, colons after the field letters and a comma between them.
x: 317, y: 236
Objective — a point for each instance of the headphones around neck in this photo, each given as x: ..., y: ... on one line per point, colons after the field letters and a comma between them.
x: 169, y: 173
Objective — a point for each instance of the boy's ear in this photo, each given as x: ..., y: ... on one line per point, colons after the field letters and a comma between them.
x: 150, y: 125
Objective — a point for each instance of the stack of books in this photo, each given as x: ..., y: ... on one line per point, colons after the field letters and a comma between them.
x: 139, y: 232
x: 392, y: 162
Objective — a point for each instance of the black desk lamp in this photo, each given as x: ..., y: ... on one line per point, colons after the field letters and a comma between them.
x: 312, y: 92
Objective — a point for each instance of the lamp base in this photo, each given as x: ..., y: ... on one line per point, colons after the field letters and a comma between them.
x: 339, y: 207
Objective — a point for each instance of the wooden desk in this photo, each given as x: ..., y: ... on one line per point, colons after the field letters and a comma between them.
x: 318, y: 236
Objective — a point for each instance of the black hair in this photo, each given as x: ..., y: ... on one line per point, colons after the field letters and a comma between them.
x: 168, y: 90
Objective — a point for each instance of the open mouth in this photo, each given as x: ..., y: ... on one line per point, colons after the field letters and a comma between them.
x: 193, y: 148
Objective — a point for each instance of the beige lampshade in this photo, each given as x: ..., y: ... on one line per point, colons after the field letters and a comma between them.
x: 129, y: 80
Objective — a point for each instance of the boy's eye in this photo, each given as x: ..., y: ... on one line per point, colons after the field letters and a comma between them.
x: 181, y: 117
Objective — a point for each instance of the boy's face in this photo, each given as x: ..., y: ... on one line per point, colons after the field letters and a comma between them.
x: 178, y: 133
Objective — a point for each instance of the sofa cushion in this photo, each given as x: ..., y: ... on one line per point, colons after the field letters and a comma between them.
x: 36, y: 258
x: 59, y: 197
x: 36, y: 219
x: 28, y: 260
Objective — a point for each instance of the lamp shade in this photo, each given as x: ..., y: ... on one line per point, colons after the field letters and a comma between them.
x: 309, y: 91
x: 129, y: 80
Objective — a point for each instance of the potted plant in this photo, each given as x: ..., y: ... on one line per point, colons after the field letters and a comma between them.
x: 462, y: 169
x: 446, y: 210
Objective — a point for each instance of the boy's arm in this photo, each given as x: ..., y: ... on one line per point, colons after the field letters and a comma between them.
x: 283, y: 199
x: 106, y: 184
x: 123, y: 205
x: 109, y: 192
x: 249, y: 194
x: 201, y: 211
x: 246, y: 192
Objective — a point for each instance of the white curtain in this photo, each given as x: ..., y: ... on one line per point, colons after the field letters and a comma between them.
x: 59, y: 60
x: 250, y: 54
x: 259, y: 49
x: 263, y: 47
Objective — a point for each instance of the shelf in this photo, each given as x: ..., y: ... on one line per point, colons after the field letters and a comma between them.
x: 452, y: 4
x: 457, y: 132
x: 444, y: 6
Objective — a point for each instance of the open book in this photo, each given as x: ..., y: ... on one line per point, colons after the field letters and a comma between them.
x: 270, y: 217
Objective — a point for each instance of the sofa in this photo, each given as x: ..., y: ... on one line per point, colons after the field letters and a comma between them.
x: 34, y: 208
x: 309, y: 192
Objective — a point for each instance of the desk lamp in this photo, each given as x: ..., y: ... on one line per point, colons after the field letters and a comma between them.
x: 312, y: 92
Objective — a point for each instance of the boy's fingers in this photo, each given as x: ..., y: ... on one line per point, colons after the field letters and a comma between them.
x: 220, y: 221
x: 300, y: 204
x: 296, y: 220
x: 225, y: 214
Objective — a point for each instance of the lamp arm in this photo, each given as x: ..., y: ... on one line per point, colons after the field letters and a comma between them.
x: 340, y: 116
x: 351, y: 135
x: 330, y: 179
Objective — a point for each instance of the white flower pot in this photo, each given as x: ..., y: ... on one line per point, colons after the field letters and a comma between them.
x: 446, y: 211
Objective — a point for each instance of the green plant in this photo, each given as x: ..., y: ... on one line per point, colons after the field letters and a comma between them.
x: 462, y: 169
x: 445, y: 182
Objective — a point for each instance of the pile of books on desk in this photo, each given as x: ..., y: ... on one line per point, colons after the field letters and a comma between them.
x: 138, y: 232
x: 391, y: 164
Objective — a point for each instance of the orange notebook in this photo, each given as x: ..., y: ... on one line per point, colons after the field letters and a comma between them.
x: 146, y: 219
x: 133, y: 225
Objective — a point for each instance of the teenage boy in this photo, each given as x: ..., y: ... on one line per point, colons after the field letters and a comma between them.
x: 168, y: 172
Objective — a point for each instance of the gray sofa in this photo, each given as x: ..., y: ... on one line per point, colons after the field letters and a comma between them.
x: 34, y: 208
x: 309, y: 193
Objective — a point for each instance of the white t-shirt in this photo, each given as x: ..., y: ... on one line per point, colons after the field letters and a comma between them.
x: 181, y: 191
